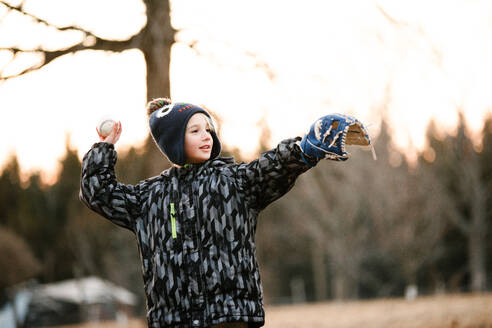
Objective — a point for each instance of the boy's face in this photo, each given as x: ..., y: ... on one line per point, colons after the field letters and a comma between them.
x: 198, y: 141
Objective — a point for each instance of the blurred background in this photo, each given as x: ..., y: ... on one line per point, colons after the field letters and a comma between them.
x: 414, y: 224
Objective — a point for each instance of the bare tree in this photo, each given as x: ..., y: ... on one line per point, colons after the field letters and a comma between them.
x: 459, y: 170
x: 328, y: 210
x: 408, y: 218
x: 154, y: 40
x: 360, y: 210
x: 468, y: 206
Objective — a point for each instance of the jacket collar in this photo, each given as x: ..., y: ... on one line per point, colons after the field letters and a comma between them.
x: 197, y: 168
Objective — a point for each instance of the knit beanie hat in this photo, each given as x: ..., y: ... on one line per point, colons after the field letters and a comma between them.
x: 168, y: 127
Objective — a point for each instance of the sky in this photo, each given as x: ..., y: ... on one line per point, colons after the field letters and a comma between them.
x: 412, y: 61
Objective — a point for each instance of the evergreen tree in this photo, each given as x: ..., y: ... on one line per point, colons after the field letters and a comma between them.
x: 62, y: 200
x: 457, y: 166
x: 10, y: 190
x: 33, y: 213
x: 486, y: 164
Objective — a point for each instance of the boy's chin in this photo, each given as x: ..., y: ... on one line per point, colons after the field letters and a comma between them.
x: 199, y: 160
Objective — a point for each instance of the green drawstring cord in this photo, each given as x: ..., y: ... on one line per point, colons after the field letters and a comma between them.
x: 173, y: 221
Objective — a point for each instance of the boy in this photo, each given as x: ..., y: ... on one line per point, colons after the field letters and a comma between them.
x: 195, y: 223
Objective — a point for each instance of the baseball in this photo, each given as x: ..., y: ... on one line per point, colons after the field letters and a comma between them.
x: 105, y: 127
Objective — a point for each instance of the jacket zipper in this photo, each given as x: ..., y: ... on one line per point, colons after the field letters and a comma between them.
x: 201, y: 284
x: 173, y: 221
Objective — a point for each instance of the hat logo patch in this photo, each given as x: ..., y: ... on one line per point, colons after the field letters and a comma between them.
x: 185, y: 108
x: 164, y: 111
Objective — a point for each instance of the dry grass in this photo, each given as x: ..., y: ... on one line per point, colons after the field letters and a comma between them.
x: 427, y: 312
x: 450, y: 311
x: 134, y: 323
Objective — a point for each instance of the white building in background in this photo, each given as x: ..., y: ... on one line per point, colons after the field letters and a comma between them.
x: 67, y: 302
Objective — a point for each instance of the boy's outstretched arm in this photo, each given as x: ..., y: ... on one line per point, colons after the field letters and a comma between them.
x: 274, y: 173
x: 99, y: 188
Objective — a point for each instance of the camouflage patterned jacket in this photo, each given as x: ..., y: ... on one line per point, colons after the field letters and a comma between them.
x: 195, y: 229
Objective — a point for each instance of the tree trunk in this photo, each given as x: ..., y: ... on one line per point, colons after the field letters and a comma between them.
x: 158, y: 38
x: 344, y: 286
x: 478, y: 229
x: 156, y: 42
x: 319, y: 272
x: 338, y: 286
x: 476, y: 249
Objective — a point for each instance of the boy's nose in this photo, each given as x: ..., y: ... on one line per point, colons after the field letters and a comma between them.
x: 206, y: 135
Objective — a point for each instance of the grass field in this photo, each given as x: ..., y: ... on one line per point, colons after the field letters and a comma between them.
x: 447, y: 311
x: 427, y: 312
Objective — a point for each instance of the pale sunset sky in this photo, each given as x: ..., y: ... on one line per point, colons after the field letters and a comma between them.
x: 417, y: 60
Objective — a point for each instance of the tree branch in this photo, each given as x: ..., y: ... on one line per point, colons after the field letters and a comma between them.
x: 389, y: 17
x: 20, y: 9
x: 433, y: 49
x: 89, y: 42
x: 259, y: 63
x: 50, y: 55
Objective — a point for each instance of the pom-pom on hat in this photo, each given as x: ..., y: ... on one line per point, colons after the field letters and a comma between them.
x: 168, y: 127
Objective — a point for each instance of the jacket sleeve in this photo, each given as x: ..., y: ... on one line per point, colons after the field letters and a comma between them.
x: 100, y: 190
x: 273, y: 174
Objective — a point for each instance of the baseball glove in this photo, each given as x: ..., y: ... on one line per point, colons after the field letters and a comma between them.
x: 329, y: 135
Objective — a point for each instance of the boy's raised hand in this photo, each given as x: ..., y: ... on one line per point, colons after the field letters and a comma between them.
x: 114, y: 136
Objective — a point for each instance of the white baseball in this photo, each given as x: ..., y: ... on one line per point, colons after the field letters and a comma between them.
x: 105, y: 127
